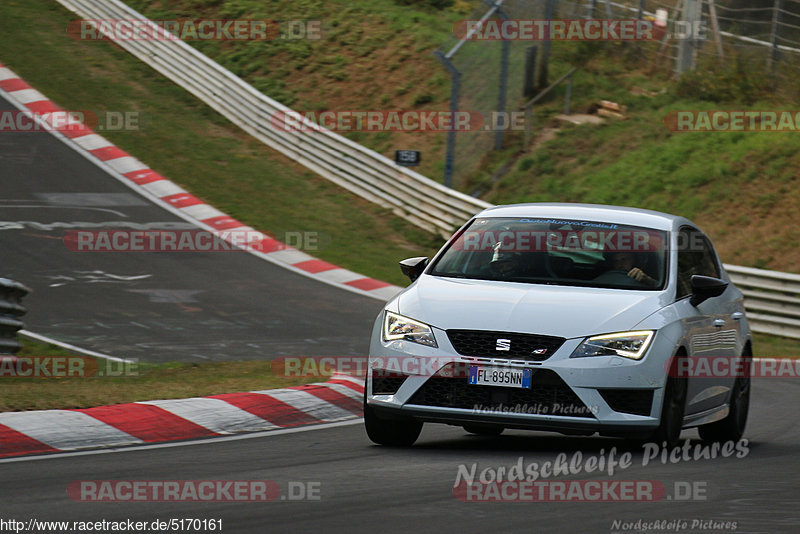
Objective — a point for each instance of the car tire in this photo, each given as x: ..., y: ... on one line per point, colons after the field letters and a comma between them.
x: 732, y: 427
x: 390, y: 432
x: 484, y: 430
x: 672, y: 410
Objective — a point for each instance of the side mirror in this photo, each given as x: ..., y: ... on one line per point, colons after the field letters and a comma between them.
x: 705, y: 287
x: 413, y: 267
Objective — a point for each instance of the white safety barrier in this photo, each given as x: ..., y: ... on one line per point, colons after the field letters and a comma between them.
x: 772, y: 298
x: 364, y: 172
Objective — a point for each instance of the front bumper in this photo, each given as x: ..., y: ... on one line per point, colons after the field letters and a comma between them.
x: 607, y: 394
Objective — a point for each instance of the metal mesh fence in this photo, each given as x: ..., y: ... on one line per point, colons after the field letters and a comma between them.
x: 758, y: 37
x: 764, y: 32
x: 485, y: 85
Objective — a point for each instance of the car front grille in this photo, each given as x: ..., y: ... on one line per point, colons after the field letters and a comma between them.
x: 485, y: 344
x: 386, y: 382
x: 548, y: 394
x: 633, y: 401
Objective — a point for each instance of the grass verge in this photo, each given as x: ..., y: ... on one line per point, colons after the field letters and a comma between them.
x: 192, y: 145
x: 180, y: 380
x: 140, y: 382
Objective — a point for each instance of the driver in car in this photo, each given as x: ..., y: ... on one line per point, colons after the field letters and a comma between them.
x: 624, y: 261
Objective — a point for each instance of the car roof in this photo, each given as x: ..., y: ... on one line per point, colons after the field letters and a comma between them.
x: 590, y: 212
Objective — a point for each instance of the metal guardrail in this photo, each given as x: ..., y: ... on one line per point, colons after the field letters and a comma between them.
x: 364, y: 172
x: 11, y: 309
x: 771, y: 298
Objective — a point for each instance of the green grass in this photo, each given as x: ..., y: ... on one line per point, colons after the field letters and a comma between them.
x: 765, y: 346
x: 192, y: 145
x: 138, y: 382
x: 377, y: 55
x: 174, y: 380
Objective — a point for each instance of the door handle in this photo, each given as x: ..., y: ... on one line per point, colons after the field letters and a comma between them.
x: 737, y: 316
x: 719, y: 323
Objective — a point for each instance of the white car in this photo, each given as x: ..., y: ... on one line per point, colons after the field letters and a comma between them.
x: 572, y: 318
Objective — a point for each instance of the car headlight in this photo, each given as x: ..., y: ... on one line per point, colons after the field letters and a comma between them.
x: 396, y: 326
x: 626, y: 344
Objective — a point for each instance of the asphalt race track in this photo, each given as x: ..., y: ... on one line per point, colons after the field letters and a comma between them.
x: 225, y: 306
x: 160, y: 306
x: 366, y: 488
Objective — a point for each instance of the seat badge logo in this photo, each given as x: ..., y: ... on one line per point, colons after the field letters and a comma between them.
x: 503, y: 344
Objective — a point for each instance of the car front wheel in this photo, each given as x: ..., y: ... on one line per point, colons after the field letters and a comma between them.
x: 669, y: 429
x: 732, y: 427
x: 391, y: 432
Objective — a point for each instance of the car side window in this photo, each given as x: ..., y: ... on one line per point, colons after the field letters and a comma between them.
x: 695, y: 256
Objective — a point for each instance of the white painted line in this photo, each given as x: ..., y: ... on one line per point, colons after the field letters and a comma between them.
x: 340, y: 275
x: 344, y: 390
x: 290, y: 256
x: 126, y: 164
x: 240, y: 229
x: 308, y: 403
x: 163, y: 188
x: 189, y: 443
x: 66, y: 430
x: 213, y: 414
x: 7, y: 74
x: 45, y: 339
x: 92, y: 142
x: 27, y: 96
x: 338, y: 376
x: 187, y: 214
x: 201, y: 211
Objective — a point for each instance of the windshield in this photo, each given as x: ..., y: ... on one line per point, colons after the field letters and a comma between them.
x: 558, y: 252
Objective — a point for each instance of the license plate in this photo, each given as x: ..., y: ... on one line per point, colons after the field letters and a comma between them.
x: 500, y: 376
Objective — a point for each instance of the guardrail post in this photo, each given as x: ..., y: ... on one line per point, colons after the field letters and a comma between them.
x: 568, y: 96
x: 528, y: 124
x: 11, y: 309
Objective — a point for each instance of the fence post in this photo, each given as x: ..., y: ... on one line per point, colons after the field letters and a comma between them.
x: 687, y: 45
x: 502, y: 85
x: 776, y: 19
x: 529, y: 83
x: 455, y: 85
x: 541, y: 80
